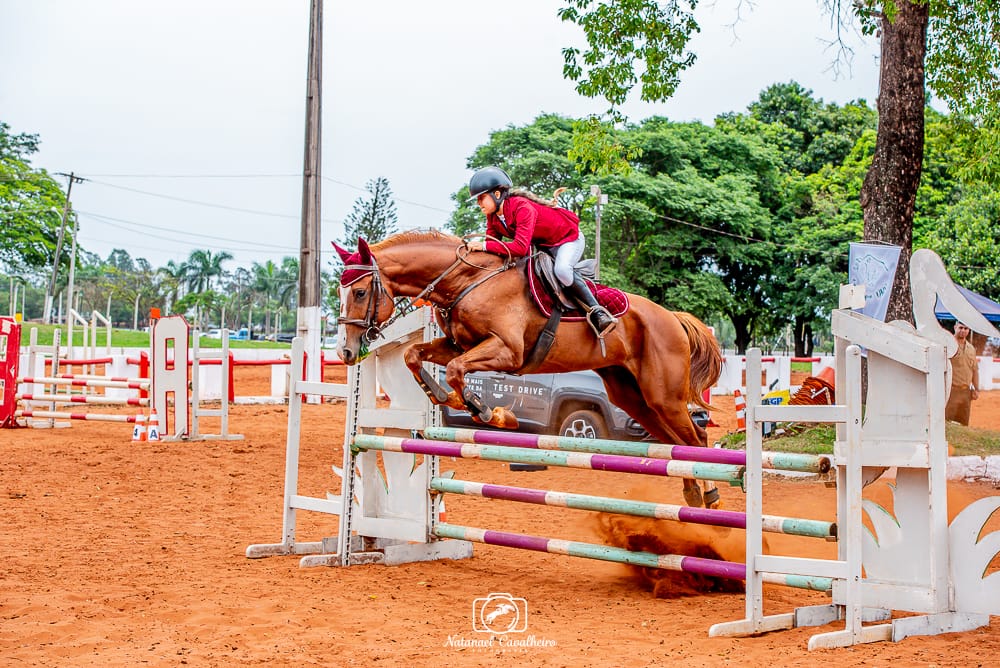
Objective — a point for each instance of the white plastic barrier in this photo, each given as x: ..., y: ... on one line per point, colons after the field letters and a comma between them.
x: 776, y: 372
x: 989, y: 373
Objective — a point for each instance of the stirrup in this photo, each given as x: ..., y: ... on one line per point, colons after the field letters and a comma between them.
x: 607, y: 330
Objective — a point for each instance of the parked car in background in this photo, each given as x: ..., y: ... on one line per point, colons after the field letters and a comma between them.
x: 243, y: 334
x: 566, y: 404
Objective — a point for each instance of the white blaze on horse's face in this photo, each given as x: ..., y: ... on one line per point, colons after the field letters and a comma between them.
x: 342, y: 328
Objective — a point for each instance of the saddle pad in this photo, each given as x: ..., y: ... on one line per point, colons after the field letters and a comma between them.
x: 612, y: 299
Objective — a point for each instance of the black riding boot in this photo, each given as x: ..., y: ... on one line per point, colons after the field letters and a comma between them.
x: 599, y: 317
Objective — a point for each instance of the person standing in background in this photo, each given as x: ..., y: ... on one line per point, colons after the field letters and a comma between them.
x: 964, y: 378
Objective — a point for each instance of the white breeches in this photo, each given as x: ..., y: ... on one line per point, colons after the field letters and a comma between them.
x: 567, y: 256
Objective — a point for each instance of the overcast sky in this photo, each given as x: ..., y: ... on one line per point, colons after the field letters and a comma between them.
x: 188, y: 116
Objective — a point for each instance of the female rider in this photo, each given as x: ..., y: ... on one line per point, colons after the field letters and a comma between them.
x: 527, y: 219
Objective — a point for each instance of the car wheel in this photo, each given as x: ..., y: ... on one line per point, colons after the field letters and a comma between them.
x: 584, y: 424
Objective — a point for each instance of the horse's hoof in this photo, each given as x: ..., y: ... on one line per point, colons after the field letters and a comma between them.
x: 437, y: 394
x: 692, y: 497
x: 712, y: 499
x: 503, y: 419
x: 477, y: 407
x: 455, y: 401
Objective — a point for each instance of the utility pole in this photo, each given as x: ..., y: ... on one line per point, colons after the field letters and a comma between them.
x: 47, y: 316
x: 308, y: 316
x: 69, y: 291
x: 595, y: 190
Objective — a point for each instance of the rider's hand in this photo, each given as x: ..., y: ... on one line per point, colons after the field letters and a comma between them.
x: 476, y: 246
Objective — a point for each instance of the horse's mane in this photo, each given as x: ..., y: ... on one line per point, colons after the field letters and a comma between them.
x: 415, y: 236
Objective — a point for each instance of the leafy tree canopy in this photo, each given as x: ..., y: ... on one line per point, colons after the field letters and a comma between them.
x: 31, y: 205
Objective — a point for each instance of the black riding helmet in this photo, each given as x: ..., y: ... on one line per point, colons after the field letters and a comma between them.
x: 489, y: 180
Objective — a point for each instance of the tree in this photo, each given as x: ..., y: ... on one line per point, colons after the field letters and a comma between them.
x: 203, y: 268
x: 706, y: 193
x: 372, y: 218
x: 967, y: 239
x: 958, y: 43
x: 535, y: 157
x: 275, y: 286
x: 31, y: 205
x: 170, y: 283
x: 889, y: 193
x: 813, y: 219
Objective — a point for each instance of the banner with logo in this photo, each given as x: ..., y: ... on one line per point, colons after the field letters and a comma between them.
x: 874, y: 266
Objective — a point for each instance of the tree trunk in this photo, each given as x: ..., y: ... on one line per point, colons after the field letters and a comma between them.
x: 890, y: 187
x: 802, y: 337
x: 742, y: 324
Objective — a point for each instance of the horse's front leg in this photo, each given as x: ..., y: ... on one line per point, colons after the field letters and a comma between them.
x: 439, y: 351
x: 492, y: 354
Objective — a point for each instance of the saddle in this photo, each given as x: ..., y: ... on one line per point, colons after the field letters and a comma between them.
x: 546, y: 290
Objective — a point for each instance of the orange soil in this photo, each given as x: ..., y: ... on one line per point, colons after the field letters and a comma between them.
x: 122, y: 554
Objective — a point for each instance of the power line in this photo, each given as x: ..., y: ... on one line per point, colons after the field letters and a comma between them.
x: 237, y: 176
x: 197, y: 202
x: 231, y: 244
x: 103, y: 218
x: 712, y: 230
x: 195, y: 176
x: 397, y: 199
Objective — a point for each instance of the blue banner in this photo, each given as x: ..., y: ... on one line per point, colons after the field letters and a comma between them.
x: 874, y: 266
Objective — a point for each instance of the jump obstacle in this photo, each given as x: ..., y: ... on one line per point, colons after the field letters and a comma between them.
x: 165, y: 389
x: 913, y: 561
x: 40, y: 395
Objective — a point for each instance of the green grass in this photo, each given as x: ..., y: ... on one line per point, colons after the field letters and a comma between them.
x: 969, y: 441
x: 818, y: 440
x: 127, y: 338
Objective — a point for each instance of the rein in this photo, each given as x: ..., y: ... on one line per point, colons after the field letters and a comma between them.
x: 370, y: 322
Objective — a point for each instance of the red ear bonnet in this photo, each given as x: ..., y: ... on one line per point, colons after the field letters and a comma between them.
x: 345, y: 255
x: 357, y: 265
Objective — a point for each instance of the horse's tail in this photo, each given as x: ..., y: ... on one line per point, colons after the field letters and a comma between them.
x: 706, y: 358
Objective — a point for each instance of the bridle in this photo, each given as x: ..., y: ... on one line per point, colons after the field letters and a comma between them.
x: 370, y: 322
x: 373, y: 329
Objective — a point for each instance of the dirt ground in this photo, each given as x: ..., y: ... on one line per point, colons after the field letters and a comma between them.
x: 122, y: 554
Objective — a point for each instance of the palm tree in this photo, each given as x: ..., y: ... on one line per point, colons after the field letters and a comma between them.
x: 264, y: 283
x: 238, y: 295
x: 199, y: 271
x: 171, y: 283
x: 275, y: 286
x: 202, y: 267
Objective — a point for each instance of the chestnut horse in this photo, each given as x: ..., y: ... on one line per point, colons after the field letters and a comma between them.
x: 654, y: 362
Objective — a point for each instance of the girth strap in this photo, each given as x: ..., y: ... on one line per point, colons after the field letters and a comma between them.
x: 544, y: 343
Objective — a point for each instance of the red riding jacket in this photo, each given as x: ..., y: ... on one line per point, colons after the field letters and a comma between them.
x: 528, y: 222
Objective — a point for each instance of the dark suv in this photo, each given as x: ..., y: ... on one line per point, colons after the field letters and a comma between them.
x: 567, y: 404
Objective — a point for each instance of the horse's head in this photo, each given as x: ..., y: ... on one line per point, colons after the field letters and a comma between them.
x: 364, y: 303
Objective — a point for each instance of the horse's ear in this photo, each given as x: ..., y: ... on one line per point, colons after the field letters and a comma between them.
x: 344, y: 254
x: 364, y: 251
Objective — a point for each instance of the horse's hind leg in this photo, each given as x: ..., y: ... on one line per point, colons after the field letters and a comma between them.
x: 667, y: 421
